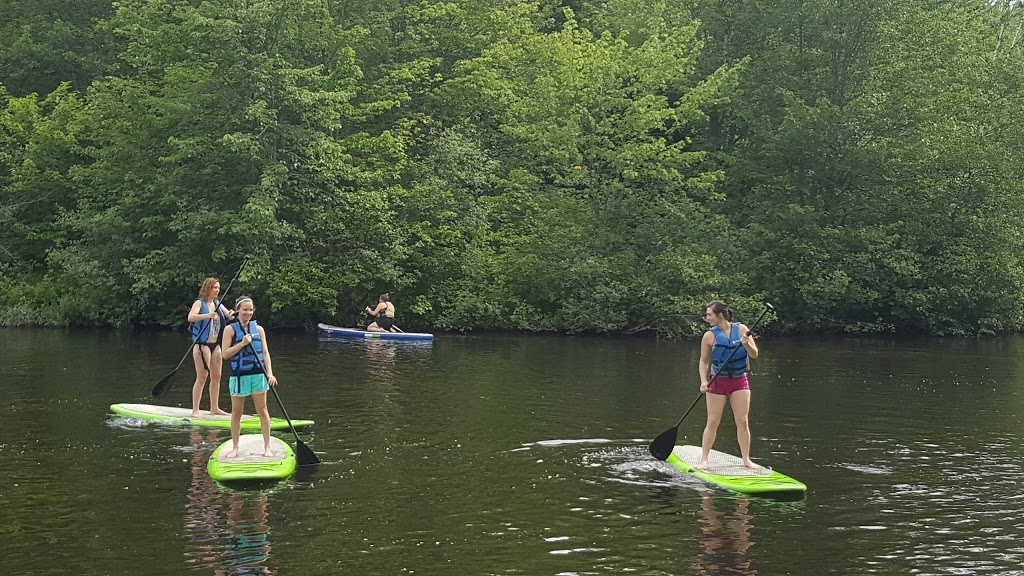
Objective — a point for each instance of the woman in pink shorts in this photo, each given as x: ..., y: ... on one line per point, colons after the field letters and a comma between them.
x: 725, y: 351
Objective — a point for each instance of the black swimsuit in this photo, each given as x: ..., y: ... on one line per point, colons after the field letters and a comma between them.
x: 215, y: 343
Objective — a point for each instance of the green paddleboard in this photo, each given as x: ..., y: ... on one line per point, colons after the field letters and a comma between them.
x: 728, y: 471
x: 250, y: 463
x: 184, y: 415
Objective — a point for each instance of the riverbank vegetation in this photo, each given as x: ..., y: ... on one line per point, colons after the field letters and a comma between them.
x: 583, y: 166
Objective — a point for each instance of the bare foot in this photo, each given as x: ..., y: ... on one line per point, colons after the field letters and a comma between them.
x: 196, y: 415
x: 232, y: 454
x: 218, y: 412
x: 703, y: 465
x: 267, y: 453
x: 752, y: 466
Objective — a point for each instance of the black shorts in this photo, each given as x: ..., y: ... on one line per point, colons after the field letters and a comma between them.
x: 385, y: 322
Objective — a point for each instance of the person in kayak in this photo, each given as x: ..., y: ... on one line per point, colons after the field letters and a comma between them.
x: 385, y: 315
x: 725, y: 351
x: 252, y: 374
x: 207, y: 316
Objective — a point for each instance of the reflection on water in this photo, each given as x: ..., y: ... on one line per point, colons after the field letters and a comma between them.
x: 724, y: 538
x: 225, y: 531
x: 380, y: 360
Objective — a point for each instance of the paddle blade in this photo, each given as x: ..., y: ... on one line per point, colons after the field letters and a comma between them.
x: 164, y: 382
x: 304, y: 456
x: 663, y: 445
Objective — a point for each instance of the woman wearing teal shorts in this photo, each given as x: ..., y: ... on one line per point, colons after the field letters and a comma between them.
x: 245, y: 344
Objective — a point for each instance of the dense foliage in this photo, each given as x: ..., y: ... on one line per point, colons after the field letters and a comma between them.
x: 593, y: 165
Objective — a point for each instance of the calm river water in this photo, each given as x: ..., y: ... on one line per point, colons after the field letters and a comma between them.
x: 517, y: 455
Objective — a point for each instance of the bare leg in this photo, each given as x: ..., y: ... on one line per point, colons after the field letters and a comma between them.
x: 716, y: 404
x: 739, y: 401
x: 216, y: 363
x: 374, y: 328
x: 260, y: 400
x: 237, y: 409
x: 201, y: 375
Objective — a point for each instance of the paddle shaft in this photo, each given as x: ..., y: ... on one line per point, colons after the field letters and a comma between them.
x: 304, y: 455
x: 162, y: 384
x: 714, y: 375
x: 695, y: 400
x: 226, y: 291
x: 273, y: 389
x: 662, y: 446
x: 182, y: 361
x: 230, y: 284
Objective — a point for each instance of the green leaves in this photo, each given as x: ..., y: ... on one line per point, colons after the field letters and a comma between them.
x: 610, y: 167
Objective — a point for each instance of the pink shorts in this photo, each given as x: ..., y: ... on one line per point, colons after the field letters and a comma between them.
x: 724, y: 386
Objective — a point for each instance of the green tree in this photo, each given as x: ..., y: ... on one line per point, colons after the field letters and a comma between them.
x: 44, y: 43
x: 233, y: 136
x: 603, y: 206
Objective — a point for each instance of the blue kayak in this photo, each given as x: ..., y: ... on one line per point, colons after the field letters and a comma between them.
x: 339, y: 332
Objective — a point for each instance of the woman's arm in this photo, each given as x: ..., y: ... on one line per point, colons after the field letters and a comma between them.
x: 747, y: 339
x: 225, y: 344
x: 376, y: 311
x: 195, y: 316
x: 227, y: 312
x: 704, y: 365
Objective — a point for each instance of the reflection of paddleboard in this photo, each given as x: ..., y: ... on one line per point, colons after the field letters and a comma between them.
x: 339, y: 332
x: 251, y: 464
x: 728, y: 471
x: 176, y: 414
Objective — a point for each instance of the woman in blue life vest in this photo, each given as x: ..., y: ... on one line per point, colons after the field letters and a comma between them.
x: 385, y: 315
x: 724, y: 353
x: 207, y: 316
x: 252, y: 373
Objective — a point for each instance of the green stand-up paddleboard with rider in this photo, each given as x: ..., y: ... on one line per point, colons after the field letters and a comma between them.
x: 726, y: 349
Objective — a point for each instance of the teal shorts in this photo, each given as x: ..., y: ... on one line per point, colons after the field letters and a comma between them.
x: 247, y: 385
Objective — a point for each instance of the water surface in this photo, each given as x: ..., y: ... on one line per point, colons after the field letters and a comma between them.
x: 517, y: 455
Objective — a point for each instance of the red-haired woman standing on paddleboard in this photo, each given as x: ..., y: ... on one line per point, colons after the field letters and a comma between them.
x: 208, y: 316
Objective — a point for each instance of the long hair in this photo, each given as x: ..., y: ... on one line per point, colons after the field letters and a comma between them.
x: 207, y: 287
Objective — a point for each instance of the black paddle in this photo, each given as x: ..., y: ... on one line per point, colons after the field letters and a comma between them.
x: 662, y: 446
x: 304, y: 456
x: 164, y: 382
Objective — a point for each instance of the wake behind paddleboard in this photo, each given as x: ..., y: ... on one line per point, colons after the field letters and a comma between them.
x: 250, y: 463
x: 728, y: 471
x: 184, y: 415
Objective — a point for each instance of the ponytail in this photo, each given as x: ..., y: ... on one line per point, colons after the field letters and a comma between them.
x: 721, y: 308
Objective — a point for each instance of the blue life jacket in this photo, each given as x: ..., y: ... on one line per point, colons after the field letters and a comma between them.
x: 244, y: 363
x: 201, y: 329
x: 739, y: 363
